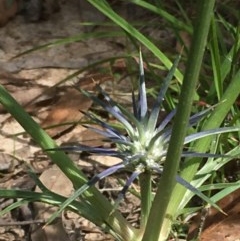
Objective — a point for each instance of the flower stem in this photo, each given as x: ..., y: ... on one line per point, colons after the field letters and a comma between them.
x: 154, y: 229
x: 191, y: 167
x: 146, y: 197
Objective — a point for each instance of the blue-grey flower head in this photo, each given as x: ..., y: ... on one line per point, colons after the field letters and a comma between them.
x: 143, y: 144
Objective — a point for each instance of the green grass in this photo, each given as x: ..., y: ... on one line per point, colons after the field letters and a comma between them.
x: 210, y: 74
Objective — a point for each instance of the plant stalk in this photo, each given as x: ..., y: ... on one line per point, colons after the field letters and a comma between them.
x: 202, y: 145
x: 145, y: 180
x: 155, y: 231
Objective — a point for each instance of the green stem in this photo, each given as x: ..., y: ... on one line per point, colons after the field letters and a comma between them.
x: 146, y: 197
x: 229, y: 97
x: 167, y: 181
x: 99, y: 203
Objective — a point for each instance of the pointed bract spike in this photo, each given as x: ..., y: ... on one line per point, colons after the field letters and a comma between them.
x: 191, y: 188
x: 157, y: 105
x: 125, y: 188
x: 208, y: 155
x: 113, y: 111
x: 142, y: 95
x: 129, y: 159
x: 130, y: 181
x: 121, y: 119
x: 166, y: 120
x: 122, y: 142
x: 217, y: 131
x: 134, y: 105
x: 120, y: 137
x: 195, y: 118
x: 165, y: 135
x: 106, y: 133
x: 108, y: 128
x: 80, y: 148
x: 110, y: 101
x: 118, y: 108
x: 105, y: 173
x: 138, y: 124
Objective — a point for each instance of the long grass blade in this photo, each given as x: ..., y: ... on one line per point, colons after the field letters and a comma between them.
x: 84, y: 188
x: 104, y: 7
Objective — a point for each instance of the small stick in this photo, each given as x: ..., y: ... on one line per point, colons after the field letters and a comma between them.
x: 21, y: 223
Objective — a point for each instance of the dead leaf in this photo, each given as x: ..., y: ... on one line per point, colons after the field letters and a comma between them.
x: 185, y: 41
x: 23, y: 90
x: 86, y: 136
x: 66, y: 110
x: 69, y: 106
x: 54, y: 179
x: 7, y: 11
x: 216, y: 226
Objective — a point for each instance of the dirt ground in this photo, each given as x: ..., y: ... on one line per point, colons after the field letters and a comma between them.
x: 29, y: 78
x: 35, y: 80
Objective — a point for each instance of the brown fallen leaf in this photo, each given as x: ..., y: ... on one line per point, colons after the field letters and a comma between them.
x: 68, y: 107
x: 217, y: 226
x: 8, y: 9
x: 23, y: 90
x: 66, y: 110
x: 185, y: 41
x: 54, y: 179
x: 61, y: 104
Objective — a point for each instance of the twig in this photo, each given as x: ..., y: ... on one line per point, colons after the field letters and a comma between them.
x: 22, y: 223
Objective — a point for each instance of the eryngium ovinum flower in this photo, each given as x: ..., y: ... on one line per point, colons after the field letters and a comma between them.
x: 143, y: 144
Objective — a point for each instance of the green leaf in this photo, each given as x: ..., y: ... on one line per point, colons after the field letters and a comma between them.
x: 104, y: 7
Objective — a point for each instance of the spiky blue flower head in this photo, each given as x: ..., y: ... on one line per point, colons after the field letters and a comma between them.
x: 143, y: 144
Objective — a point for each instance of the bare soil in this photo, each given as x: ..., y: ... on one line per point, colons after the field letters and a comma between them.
x: 33, y: 79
